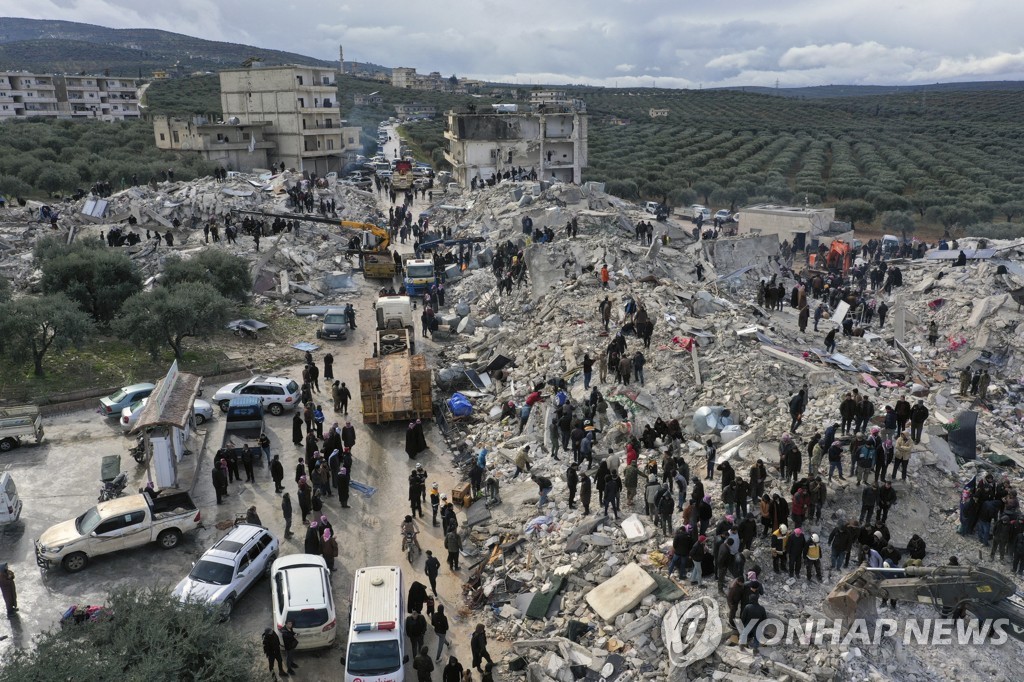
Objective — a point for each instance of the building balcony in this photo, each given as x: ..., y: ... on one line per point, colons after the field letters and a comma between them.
x: 559, y: 163
x: 316, y: 87
x: 320, y: 110
x: 319, y: 153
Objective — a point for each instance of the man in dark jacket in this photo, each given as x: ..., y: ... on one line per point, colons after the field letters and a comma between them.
x: 886, y: 499
x: 902, y: 410
x: 1018, y: 554
x: 415, y: 630
x: 916, y: 547
x: 918, y: 415
x: 291, y: 642
x: 752, y: 614
x: 665, y: 507
x: 277, y: 473
x: 272, y: 648
x: 868, y: 498
x: 848, y: 412
x: 797, y: 404
x: 220, y: 483
x: 865, y: 411
x: 572, y: 480
x: 422, y: 664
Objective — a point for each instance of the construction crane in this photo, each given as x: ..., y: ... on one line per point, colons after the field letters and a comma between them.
x: 377, y: 260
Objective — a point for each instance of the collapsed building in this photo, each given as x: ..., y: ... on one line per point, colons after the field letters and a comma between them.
x: 587, y: 596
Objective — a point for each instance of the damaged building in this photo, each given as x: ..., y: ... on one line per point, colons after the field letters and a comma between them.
x: 550, y: 138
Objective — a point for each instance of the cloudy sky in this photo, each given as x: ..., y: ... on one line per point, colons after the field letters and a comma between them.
x: 668, y: 43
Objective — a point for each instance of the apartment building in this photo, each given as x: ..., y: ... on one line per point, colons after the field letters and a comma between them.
x: 237, y: 147
x: 24, y: 94
x: 105, y: 98
x: 301, y: 105
x: 550, y: 138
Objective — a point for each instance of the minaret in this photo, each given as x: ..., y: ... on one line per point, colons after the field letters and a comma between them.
x: 341, y: 59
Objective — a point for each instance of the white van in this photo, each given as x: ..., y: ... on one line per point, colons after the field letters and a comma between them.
x: 10, y: 503
x: 376, y: 637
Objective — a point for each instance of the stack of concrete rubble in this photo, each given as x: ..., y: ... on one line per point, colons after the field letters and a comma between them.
x: 547, y: 590
x: 289, y: 269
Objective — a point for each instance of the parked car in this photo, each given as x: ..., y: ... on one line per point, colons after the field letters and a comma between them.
x: 130, y: 521
x: 112, y: 405
x: 334, y: 325
x: 724, y: 216
x: 300, y: 592
x: 277, y: 393
x: 201, y: 410
x: 227, y: 570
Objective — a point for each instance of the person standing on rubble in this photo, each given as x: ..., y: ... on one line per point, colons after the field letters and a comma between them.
x: 830, y: 340
x: 983, y: 382
x: 819, y: 312
x: 933, y: 333
x: 803, y: 317
x: 710, y: 453
x: 604, y: 275
x: 918, y: 415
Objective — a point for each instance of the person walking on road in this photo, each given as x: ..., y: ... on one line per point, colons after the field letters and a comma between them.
x: 440, y: 622
x: 423, y: 666
x: 453, y: 544
x: 478, y: 645
x: 431, y: 567
x: 416, y: 629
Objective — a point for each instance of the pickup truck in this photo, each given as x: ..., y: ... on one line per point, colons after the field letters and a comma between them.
x: 243, y: 425
x: 16, y: 422
x: 130, y: 521
x: 691, y: 213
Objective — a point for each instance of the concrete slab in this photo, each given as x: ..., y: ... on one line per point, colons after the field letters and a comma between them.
x: 621, y: 592
x: 634, y: 529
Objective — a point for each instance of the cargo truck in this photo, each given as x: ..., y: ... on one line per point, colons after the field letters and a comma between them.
x: 395, y: 384
x: 19, y: 422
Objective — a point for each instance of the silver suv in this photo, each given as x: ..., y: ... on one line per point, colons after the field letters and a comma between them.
x: 277, y: 393
x: 227, y: 570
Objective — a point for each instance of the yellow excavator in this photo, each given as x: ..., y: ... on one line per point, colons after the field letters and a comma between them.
x: 378, y: 263
x: 954, y: 590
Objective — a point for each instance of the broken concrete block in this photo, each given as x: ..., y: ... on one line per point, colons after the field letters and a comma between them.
x: 634, y: 529
x: 466, y: 326
x: 621, y: 593
x: 492, y: 321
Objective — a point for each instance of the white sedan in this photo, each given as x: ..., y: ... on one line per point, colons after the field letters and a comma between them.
x: 202, y: 410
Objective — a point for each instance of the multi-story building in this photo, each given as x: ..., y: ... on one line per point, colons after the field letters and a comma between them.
x: 549, y: 138
x: 403, y: 77
x: 301, y: 105
x: 415, y: 109
x: 25, y: 94
x: 237, y: 147
x: 108, y: 99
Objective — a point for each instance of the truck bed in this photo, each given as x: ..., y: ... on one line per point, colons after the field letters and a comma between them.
x: 395, y: 387
x: 176, y: 503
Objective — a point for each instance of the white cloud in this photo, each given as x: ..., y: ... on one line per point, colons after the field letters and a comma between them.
x: 738, y: 60
x: 742, y: 42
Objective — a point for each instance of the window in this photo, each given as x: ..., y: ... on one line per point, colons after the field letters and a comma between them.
x: 302, y: 102
x: 299, y: 79
x: 328, y: 123
x: 327, y: 80
x: 330, y: 144
x: 220, y: 137
x: 174, y: 133
x: 264, y: 541
x: 162, y: 138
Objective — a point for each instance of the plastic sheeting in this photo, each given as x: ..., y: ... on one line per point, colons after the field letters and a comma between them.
x: 460, y: 405
x: 711, y: 419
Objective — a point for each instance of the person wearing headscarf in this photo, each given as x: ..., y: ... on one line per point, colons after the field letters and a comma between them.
x: 329, y: 548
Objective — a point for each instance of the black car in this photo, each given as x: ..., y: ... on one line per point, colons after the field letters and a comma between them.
x: 334, y: 325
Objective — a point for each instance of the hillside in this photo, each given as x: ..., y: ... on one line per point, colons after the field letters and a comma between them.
x: 66, y: 46
x: 830, y: 91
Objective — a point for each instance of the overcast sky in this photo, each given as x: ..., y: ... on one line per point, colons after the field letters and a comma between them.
x: 668, y: 43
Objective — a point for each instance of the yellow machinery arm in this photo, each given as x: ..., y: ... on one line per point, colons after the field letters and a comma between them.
x: 383, y: 238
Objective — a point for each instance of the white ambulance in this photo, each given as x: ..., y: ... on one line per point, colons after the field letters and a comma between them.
x: 376, y: 634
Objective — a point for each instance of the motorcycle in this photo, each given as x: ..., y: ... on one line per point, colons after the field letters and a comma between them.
x: 113, y: 488
x: 138, y: 452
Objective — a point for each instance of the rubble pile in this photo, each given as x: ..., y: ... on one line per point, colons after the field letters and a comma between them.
x: 586, y: 596
x: 289, y: 270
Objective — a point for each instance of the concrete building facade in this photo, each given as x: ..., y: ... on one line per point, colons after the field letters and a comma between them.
x: 24, y: 95
x: 551, y: 139
x: 798, y: 225
x: 301, y: 105
x: 241, y: 147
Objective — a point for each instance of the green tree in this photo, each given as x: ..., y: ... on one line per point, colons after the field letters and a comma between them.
x: 12, y: 186
x: 704, y: 189
x: 1011, y: 209
x: 729, y: 195
x: 5, y: 289
x: 856, y: 211
x: 150, y: 636
x: 226, y: 272
x: 56, y: 177
x: 32, y: 325
x: 899, y: 221
x: 169, y: 315
x: 98, y: 278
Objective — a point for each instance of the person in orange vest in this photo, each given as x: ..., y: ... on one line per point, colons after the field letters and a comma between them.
x: 604, y: 276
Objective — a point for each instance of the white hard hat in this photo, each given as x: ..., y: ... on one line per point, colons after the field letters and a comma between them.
x: 783, y: 529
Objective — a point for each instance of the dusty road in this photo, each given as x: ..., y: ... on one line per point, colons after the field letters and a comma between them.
x: 58, y: 480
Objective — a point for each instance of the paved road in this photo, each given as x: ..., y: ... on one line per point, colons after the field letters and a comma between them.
x: 59, y: 480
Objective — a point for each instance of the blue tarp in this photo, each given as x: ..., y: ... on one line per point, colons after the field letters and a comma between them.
x: 460, y: 405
